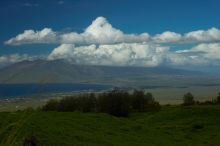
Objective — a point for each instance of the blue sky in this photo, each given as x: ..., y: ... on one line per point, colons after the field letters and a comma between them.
x: 130, y: 16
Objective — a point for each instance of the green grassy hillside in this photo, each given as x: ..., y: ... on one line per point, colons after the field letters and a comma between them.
x: 172, y: 126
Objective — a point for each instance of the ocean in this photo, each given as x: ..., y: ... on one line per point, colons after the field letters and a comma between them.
x: 17, y: 90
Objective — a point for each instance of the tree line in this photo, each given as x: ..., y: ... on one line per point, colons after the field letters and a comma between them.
x: 188, y: 99
x: 117, y: 102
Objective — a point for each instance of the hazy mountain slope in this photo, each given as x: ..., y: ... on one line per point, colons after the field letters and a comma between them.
x: 59, y: 71
x: 44, y: 71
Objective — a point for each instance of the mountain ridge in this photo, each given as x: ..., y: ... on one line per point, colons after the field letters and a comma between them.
x: 61, y: 71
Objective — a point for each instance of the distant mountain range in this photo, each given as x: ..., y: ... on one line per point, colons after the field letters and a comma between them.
x: 60, y: 71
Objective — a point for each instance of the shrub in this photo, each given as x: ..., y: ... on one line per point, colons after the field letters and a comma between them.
x: 116, y: 103
x: 68, y: 104
x: 138, y: 100
x: 149, y: 98
x: 188, y: 99
x: 87, y: 103
x: 84, y: 103
x: 218, y: 98
x: 51, y: 105
x: 155, y: 106
x: 143, y: 102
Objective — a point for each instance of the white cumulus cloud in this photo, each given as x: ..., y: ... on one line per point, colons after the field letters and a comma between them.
x: 102, y: 44
x: 46, y: 35
x: 123, y: 54
x: 99, y: 32
x: 202, y: 54
x: 208, y: 50
x: 210, y: 35
x: 102, y: 32
x: 167, y: 37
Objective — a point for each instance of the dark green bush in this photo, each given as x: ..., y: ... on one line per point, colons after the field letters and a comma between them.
x: 51, y: 105
x: 188, y: 99
x: 116, y: 103
x: 155, y: 106
x: 218, y: 98
x: 83, y: 103
x: 69, y: 104
x: 143, y: 102
x: 88, y: 103
x: 138, y: 100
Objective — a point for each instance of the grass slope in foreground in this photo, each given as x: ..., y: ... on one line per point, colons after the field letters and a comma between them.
x: 175, y: 125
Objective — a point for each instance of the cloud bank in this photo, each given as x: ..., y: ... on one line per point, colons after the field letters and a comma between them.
x: 102, y: 44
x: 119, y: 54
x: 136, y: 54
x: 99, y: 32
x: 102, y: 32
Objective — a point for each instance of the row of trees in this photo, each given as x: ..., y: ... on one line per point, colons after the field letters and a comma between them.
x: 188, y: 99
x: 117, y: 103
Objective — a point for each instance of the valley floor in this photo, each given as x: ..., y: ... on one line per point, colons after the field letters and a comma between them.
x: 172, y: 126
